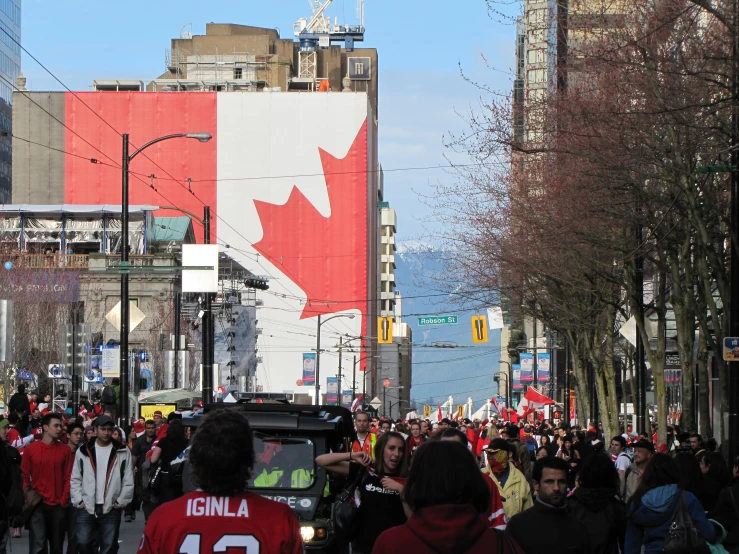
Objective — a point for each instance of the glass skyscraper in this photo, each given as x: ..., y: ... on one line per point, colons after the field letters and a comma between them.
x: 10, y: 67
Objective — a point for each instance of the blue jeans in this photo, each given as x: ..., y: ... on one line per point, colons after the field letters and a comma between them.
x: 98, y: 530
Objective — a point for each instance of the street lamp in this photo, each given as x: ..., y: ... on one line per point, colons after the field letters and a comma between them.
x: 318, y: 352
x: 125, y: 312
x: 508, y: 393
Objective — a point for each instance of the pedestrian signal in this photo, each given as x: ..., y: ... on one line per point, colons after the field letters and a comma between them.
x: 460, y: 411
x: 479, y: 329
x: 385, y: 330
x: 427, y: 411
x: 556, y: 415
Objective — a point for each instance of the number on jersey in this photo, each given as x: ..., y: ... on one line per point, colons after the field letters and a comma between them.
x: 250, y: 544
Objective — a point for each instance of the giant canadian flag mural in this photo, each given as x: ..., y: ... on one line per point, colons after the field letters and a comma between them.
x: 291, y: 180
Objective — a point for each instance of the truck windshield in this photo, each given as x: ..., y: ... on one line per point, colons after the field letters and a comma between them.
x: 283, y: 463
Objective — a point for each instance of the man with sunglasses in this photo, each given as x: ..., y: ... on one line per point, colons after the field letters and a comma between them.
x: 47, y: 467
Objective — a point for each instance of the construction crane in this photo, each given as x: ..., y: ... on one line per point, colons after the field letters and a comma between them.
x: 319, y: 33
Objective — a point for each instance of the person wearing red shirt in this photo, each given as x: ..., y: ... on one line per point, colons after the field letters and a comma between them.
x: 415, y: 440
x: 448, y: 514
x: 222, y: 515
x: 47, y: 467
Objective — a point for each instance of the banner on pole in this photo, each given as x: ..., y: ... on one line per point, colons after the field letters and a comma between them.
x: 516, y: 381
x: 527, y: 367
x: 332, y: 391
x: 346, y: 398
x: 543, y: 371
x: 309, y: 368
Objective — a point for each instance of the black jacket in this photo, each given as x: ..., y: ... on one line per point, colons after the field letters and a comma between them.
x: 19, y: 403
x: 603, y: 514
x: 545, y: 529
x: 726, y: 512
x: 9, y: 456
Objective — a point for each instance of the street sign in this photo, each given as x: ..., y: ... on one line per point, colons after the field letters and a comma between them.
x: 672, y: 360
x: 376, y: 403
x: 135, y: 316
x: 731, y: 349
x: 111, y: 361
x: 439, y: 320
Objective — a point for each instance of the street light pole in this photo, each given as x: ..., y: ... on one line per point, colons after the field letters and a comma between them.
x: 125, y: 312
x: 733, y: 424
x: 318, y: 351
x: 208, y: 332
x: 125, y: 316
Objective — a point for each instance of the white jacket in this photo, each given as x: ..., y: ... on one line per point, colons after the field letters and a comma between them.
x: 119, y: 482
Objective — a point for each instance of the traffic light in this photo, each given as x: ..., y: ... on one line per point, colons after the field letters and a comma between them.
x: 460, y: 411
x: 427, y: 411
x: 479, y: 329
x: 385, y: 330
x: 75, y: 346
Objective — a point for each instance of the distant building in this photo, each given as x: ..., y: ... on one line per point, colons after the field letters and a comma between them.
x: 10, y: 71
x: 230, y: 57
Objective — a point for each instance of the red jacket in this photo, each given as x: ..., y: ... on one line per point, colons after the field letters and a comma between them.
x: 48, y: 468
x: 444, y: 529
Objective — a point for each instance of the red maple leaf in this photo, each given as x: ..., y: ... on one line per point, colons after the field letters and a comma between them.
x: 325, y: 256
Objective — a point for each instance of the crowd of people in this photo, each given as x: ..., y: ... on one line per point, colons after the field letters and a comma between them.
x: 445, y: 487
x: 81, y: 475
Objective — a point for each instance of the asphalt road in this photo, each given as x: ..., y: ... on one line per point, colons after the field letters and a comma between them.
x: 128, y: 541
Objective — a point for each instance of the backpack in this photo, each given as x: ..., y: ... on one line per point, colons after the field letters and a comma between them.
x: 682, y: 536
x: 109, y: 396
x: 15, y: 498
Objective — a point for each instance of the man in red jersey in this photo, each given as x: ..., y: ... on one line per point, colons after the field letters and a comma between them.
x: 47, y: 467
x: 222, y: 515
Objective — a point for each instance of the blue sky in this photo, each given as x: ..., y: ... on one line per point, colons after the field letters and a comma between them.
x: 420, y: 46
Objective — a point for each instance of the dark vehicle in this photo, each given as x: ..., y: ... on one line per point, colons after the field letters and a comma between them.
x: 287, y: 439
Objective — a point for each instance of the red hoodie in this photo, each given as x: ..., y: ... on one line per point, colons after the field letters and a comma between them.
x: 444, y: 529
x: 48, y: 469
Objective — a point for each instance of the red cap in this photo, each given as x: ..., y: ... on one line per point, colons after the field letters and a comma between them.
x: 38, y: 433
x: 138, y: 427
x: 158, y: 412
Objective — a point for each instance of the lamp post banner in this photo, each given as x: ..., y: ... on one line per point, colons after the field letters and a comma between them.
x: 516, y: 382
x: 309, y: 368
x: 527, y: 367
x: 332, y: 391
x: 543, y: 367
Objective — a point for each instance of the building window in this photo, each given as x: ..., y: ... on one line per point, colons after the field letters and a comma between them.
x: 238, y: 73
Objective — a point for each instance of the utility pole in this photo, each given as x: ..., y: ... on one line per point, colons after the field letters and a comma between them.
x: 318, y: 361
x: 125, y: 315
x: 354, y: 380
x: 207, y: 325
x: 731, y: 434
x: 177, y: 331
x: 341, y: 342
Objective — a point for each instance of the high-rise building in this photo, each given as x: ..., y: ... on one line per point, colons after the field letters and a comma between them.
x: 10, y: 69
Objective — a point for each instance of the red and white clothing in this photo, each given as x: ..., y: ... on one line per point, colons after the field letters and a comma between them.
x: 365, y: 445
x: 496, y: 517
x: 48, y: 469
x: 199, y: 522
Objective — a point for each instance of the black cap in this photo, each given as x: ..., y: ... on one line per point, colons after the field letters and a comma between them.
x: 497, y: 444
x: 104, y: 420
x: 644, y: 444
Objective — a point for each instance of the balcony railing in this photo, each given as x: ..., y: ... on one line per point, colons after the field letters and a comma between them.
x: 39, y: 261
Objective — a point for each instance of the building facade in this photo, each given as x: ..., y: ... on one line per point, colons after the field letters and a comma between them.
x: 10, y: 70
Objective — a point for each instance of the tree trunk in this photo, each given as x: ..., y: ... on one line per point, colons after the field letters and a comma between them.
x: 704, y: 414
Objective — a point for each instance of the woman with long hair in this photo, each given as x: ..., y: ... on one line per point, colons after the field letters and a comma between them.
x: 652, y: 508
x: 595, y: 503
x: 546, y: 441
x: 379, y: 488
x: 168, y: 449
x: 449, y: 502
x: 715, y: 476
